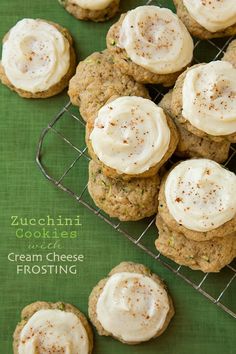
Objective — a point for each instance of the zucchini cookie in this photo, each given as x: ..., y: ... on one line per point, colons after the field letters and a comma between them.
x: 207, y: 256
x: 208, y: 18
x: 97, y: 80
x: 198, y: 199
x: 230, y: 54
x: 94, y: 10
x: 131, y: 137
x: 52, y: 328
x: 38, y: 58
x: 133, y: 296
x: 191, y: 145
x: 151, y: 44
x: 203, y: 101
x: 126, y: 200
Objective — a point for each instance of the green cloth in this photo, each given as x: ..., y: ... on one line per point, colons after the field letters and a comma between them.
x: 198, y: 326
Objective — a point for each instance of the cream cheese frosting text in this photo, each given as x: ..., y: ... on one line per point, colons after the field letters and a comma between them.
x: 132, y: 307
x: 35, y: 55
x: 213, y: 15
x: 53, y: 331
x: 156, y: 39
x: 209, y: 98
x: 130, y: 134
x: 93, y: 4
x: 201, y: 195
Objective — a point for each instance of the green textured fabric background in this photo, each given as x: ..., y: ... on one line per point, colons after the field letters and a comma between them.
x: 198, y: 326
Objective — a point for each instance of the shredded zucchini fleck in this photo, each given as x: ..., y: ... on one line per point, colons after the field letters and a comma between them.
x: 206, y: 258
x: 112, y: 41
x: 171, y: 241
x: 61, y: 306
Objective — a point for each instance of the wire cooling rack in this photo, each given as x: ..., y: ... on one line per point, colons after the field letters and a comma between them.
x: 63, y: 159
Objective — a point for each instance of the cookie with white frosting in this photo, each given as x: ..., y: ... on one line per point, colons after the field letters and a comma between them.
x: 207, y: 256
x: 94, y: 10
x: 38, y: 58
x: 151, y: 44
x: 203, y: 101
x: 126, y: 200
x: 47, y: 327
x: 191, y: 145
x: 208, y: 18
x: 131, y: 137
x: 198, y: 199
x: 97, y: 80
x: 133, y: 296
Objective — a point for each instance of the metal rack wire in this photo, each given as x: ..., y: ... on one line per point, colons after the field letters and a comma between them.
x: 218, y: 288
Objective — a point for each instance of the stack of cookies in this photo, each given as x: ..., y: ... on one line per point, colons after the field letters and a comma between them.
x: 129, y: 141
x: 197, y: 215
x: 202, y: 106
x: 129, y: 137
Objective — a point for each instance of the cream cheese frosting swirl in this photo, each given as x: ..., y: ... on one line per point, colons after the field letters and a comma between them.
x: 156, y: 39
x: 130, y: 134
x: 53, y: 331
x: 201, y: 195
x: 132, y: 307
x: 35, y: 55
x: 213, y: 15
x: 93, y: 4
x: 209, y: 98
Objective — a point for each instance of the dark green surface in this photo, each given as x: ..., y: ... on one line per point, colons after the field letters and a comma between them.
x: 198, y: 326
